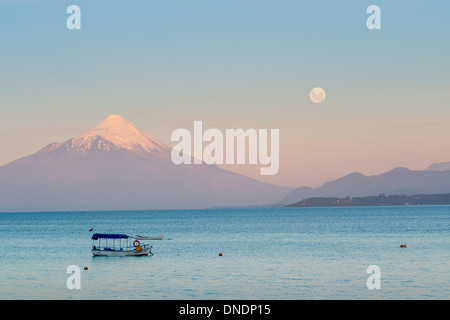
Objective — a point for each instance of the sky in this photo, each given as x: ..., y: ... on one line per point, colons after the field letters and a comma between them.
x: 163, y: 64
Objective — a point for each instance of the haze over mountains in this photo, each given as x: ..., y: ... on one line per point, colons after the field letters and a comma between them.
x: 399, y: 181
x: 443, y: 166
x: 115, y: 166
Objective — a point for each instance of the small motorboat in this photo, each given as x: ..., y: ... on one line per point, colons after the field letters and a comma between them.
x: 118, y: 245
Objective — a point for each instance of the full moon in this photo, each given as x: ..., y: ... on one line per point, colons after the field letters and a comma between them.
x: 317, y: 95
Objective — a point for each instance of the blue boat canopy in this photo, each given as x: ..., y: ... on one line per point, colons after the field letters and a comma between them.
x: 97, y: 236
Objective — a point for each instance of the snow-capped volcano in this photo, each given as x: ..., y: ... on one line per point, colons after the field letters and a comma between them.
x: 113, y: 133
x: 120, y: 132
x: 115, y: 166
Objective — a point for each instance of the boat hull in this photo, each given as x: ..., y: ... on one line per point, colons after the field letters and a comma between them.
x: 115, y: 253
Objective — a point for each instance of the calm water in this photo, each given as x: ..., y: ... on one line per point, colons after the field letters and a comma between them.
x: 304, y: 253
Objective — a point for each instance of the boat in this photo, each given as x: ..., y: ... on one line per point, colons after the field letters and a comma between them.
x: 149, y: 238
x: 119, y: 245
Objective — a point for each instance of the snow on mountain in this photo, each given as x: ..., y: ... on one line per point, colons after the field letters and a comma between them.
x: 115, y: 166
x: 121, y: 133
x: 113, y: 133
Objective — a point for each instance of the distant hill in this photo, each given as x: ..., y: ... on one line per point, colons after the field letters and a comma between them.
x: 443, y: 166
x: 399, y: 181
x: 380, y: 200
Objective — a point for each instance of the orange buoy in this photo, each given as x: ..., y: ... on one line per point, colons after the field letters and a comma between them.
x: 220, y: 254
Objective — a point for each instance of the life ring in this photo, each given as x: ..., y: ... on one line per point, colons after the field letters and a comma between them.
x: 136, y: 243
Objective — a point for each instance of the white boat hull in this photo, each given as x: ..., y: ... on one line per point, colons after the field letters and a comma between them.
x: 116, y: 253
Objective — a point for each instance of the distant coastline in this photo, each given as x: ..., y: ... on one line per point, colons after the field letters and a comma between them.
x: 380, y: 200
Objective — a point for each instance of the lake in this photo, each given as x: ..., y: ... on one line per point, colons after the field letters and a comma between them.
x: 267, y: 254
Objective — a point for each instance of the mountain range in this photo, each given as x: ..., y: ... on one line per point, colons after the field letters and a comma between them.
x: 399, y: 181
x: 115, y: 166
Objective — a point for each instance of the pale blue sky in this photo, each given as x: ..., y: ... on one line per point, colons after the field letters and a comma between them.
x: 235, y: 63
